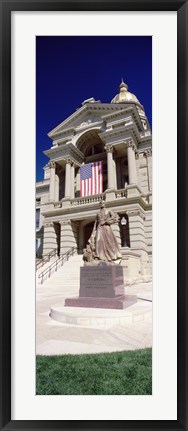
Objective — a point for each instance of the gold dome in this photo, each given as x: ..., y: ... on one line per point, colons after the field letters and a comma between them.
x: 124, y: 96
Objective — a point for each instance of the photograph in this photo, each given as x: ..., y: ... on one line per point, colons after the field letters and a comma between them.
x: 93, y: 293
x: 93, y: 215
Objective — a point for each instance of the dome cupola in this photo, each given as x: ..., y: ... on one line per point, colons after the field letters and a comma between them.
x: 124, y: 96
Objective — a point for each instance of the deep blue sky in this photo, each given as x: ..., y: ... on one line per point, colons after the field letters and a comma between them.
x: 70, y: 69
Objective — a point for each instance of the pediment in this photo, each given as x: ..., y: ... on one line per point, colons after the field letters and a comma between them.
x: 88, y: 120
x: 85, y: 117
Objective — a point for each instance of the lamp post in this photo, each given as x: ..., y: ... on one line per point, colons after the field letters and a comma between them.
x: 123, y: 224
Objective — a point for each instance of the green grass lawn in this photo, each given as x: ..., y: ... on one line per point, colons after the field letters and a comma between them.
x: 122, y: 373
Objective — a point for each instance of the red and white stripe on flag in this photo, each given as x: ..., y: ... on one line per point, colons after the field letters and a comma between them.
x: 91, y: 179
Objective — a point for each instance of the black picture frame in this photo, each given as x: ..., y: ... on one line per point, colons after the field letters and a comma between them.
x: 6, y: 7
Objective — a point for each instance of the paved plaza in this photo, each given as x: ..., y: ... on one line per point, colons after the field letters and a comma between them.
x: 91, y: 330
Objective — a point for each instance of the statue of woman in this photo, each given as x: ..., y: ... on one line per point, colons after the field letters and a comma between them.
x: 103, y: 242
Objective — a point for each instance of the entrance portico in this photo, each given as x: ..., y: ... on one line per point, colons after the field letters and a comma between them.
x: 118, y: 135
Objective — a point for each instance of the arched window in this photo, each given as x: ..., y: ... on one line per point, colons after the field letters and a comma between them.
x: 94, y: 150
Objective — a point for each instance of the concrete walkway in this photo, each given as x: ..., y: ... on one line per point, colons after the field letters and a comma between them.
x: 134, y: 330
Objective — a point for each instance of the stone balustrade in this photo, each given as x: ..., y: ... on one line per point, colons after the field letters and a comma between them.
x: 87, y: 199
x: 127, y: 192
x: 122, y: 193
x: 58, y: 204
x: 45, y: 181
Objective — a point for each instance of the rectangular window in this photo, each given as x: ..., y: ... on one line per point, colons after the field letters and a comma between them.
x: 38, y: 218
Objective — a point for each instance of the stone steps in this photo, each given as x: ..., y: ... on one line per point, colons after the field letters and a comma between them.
x: 66, y: 278
x: 45, y: 266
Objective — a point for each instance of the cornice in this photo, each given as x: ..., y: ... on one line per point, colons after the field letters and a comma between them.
x: 42, y: 183
x: 135, y: 212
x: 145, y: 139
x: 75, y: 114
x: 120, y: 131
x: 62, y: 152
x: 126, y: 109
x: 118, y: 112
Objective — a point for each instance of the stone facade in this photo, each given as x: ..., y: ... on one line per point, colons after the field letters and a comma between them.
x: 119, y: 134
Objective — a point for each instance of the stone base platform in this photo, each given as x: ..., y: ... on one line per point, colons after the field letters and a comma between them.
x: 119, y: 302
x: 101, y: 318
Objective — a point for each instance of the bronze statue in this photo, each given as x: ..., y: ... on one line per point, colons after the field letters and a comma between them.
x: 102, y: 244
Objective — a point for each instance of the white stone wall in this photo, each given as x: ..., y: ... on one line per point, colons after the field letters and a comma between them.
x: 148, y: 230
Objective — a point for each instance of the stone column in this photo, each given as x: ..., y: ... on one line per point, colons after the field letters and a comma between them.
x: 118, y: 164
x: 72, y: 180
x: 148, y: 154
x: 50, y: 239
x: 68, y: 239
x: 52, y: 166
x: 115, y: 176
x: 78, y: 181
x: 81, y: 236
x: 56, y: 188
x: 110, y: 166
x: 68, y: 178
x: 131, y: 162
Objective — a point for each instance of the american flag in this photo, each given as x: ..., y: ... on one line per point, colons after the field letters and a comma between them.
x: 91, y: 179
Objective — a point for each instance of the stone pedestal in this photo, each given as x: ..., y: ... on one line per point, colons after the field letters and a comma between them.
x: 101, y: 286
x: 102, y: 280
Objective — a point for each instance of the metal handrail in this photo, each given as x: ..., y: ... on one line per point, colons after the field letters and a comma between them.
x: 55, y: 265
x: 46, y: 258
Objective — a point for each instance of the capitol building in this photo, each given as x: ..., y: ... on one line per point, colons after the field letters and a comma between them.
x: 117, y: 137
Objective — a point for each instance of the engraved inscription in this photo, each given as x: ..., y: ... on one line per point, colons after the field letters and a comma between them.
x: 99, y: 282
